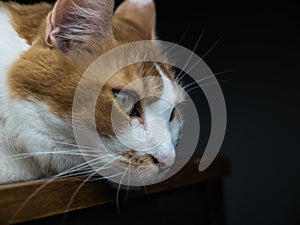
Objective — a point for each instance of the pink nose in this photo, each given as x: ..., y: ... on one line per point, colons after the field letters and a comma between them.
x: 165, y: 161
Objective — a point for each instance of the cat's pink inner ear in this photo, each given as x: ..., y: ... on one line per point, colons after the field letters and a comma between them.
x: 77, y: 22
x: 51, y: 31
x: 141, y: 13
x: 54, y: 20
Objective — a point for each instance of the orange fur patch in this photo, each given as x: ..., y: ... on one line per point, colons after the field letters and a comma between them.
x: 46, y: 74
x: 134, y: 159
x: 27, y: 19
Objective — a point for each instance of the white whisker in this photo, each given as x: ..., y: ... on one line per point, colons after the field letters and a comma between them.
x: 209, y: 50
x: 118, y: 190
x: 189, y: 59
x: 208, y: 77
x: 73, y: 145
x: 144, y: 186
x: 60, y: 175
x: 81, y: 185
x: 205, y: 85
x: 37, y: 154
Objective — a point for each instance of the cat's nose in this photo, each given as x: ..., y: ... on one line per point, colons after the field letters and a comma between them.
x: 165, y: 162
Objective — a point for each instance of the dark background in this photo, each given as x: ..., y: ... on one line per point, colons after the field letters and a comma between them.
x: 261, y: 43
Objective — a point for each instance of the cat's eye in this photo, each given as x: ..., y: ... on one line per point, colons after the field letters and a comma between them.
x: 172, y: 115
x: 127, y: 102
x: 134, y: 111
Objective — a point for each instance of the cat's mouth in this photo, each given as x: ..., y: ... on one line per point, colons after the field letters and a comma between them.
x: 133, y: 159
x: 134, y: 169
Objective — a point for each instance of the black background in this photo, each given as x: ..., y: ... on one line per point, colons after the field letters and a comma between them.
x: 261, y: 43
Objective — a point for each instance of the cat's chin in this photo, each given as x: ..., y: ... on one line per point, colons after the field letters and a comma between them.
x: 121, y: 172
x: 133, y: 169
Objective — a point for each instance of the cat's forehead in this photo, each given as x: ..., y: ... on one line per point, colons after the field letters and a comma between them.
x: 146, y: 79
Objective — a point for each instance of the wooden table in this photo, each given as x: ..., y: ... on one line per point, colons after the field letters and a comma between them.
x: 189, y: 197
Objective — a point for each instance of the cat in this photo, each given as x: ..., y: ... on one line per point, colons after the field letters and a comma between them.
x: 44, y: 51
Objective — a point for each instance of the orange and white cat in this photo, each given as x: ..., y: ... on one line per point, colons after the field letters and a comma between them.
x: 44, y: 51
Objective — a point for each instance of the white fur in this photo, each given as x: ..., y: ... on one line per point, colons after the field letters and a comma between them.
x: 157, y: 136
x: 141, y: 2
x: 11, y: 46
x: 162, y: 109
x: 26, y: 126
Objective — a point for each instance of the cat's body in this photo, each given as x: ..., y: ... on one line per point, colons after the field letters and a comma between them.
x: 38, y: 77
x: 22, y: 128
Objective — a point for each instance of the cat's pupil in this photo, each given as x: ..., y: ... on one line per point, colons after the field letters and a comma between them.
x: 134, y: 111
x: 127, y: 103
x: 172, y: 115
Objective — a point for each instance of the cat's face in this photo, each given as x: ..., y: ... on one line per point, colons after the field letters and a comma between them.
x: 135, y: 111
x: 142, y: 124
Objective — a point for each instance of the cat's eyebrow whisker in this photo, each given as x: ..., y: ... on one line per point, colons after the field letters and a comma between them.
x: 206, y: 85
x: 190, y: 57
x: 206, y: 54
x: 208, y: 77
x: 191, y: 90
x: 178, y: 42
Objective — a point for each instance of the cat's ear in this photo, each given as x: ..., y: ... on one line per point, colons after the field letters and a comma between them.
x: 75, y: 23
x: 142, y: 13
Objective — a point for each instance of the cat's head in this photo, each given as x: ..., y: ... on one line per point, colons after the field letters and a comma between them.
x: 72, y: 36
